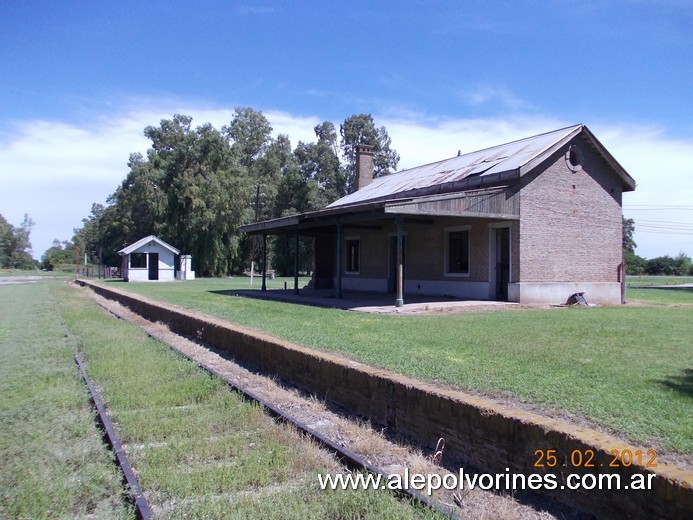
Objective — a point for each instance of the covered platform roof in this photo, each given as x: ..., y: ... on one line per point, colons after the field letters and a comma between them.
x: 498, y: 202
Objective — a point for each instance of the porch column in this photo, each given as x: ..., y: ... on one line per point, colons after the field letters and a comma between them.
x: 264, y: 262
x: 296, y: 265
x: 399, y: 302
x: 339, y: 262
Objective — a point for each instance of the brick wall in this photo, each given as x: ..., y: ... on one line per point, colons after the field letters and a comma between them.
x: 424, y: 249
x: 570, y: 222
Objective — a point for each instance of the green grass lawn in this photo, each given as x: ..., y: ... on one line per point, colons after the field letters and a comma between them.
x: 627, y: 368
x: 649, y: 281
x: 30, y: 272
x: 641, y: 289
x: 670, y: 297
x: 53, y: 463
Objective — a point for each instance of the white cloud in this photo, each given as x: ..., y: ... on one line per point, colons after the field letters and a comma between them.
x: 420, y: 142
x: 485, y: 94
x: 245, y: 9
x: 661, y: 166
x: 54, y: 170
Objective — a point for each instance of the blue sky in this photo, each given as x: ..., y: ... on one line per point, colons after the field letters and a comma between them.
x: 80, y: 81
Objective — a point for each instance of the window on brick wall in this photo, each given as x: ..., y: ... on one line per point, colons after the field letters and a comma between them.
x: 457, y: 251
x: 353, y: 252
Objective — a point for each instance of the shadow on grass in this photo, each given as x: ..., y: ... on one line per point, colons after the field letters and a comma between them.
x: 682, y: 383
x: 286, y: 296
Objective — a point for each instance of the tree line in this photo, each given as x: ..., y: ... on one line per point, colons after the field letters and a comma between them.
x: 15, y: 244
x: 680, y: 265
x: 195, y: 187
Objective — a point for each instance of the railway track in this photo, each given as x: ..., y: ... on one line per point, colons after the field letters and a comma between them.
x: 134, y: 492
x: 346, y: 457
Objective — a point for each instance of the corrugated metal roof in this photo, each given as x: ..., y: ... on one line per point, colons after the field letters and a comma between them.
x: 509, y: 157
x: 488, y: 168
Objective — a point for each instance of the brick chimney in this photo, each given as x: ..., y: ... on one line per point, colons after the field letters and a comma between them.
x: 364, y: 165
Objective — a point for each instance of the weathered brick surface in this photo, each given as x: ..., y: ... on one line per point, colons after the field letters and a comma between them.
x: 479, y: 433
x: 571, y: 223
x: 424, y: 249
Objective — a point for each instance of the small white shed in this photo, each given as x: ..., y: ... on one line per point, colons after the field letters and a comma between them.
x: 149, y: 259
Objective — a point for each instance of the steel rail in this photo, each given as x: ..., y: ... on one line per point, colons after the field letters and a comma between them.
x: 344, y: 455
x: 350, y: 459
x: 135, y: 495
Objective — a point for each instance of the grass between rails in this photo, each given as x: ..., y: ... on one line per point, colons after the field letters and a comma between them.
x: 198, y: 449
x: 627, y: 368
x: 53, y: 463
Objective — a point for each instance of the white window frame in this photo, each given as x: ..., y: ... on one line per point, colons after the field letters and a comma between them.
x: 447, y: 232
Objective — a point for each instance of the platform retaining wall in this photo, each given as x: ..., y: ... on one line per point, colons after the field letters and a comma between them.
x: 490, y: 437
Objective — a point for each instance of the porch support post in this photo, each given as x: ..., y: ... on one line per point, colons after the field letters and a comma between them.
x: 399, y: 302
x: 264, y: 262
x: 296, y: 264
x: 339, y: 262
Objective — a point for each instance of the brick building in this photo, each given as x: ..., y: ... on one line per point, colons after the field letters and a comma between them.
x: 531, y: 221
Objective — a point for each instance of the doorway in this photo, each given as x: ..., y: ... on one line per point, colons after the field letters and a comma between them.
x: 153, y: 266
x: 392, y: 270
x: 501, y: 259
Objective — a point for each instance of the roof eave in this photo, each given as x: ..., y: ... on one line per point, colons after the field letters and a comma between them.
x: 629, y: 183
x: 468, y: 183
x: 142, y: 241
x: 541, y: 156
x: 294, y: 221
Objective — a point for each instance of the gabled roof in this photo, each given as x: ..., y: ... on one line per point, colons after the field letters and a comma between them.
x: 144, y: 241
x: 478, y: 172
x: 481, y: 168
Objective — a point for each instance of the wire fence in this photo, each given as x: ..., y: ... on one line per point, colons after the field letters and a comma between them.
x: 91, y: 270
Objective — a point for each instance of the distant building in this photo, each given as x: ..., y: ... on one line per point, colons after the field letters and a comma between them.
x: 531, y: 221
x: 149, y: 259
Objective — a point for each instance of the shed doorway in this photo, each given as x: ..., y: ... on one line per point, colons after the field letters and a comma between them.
x: 153, y: 266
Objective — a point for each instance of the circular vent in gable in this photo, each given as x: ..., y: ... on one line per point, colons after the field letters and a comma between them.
x: 572, y: 159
